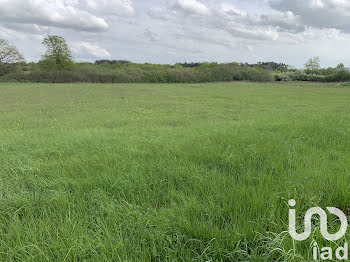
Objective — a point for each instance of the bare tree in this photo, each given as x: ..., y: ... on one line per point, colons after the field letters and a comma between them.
x: 9, y: 53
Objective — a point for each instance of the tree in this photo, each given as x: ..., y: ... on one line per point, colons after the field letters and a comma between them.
x: 313, y: 63
x: 9, y: 53
x: 58, y: 55
x: 340, y: 65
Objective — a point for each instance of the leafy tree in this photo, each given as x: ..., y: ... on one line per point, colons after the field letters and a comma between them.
x: 313, y: 63
x: 9, y: 53
x: 341, y: 65
x: 58, y: 55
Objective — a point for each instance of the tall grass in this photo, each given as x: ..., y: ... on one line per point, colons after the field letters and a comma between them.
x: 190, y: 172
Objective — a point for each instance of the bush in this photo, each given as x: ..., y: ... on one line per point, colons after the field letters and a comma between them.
x: 5, y: 69
x: 134, y: 73
x: 256, y: 74
x: 339, y: 76
x: 299, y: 75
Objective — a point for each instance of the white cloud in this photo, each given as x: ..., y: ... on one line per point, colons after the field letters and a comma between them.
x: 57, y: 13
x: 318, y: 13
x: 111, y: 7
x: 169, y: 31
x: 221, y: 17
x: 86, y: 49
x: 153, y: 37
x: 161, y: 13
x: 283, y: 21
x: 192, y: 7
x: 231, y: 9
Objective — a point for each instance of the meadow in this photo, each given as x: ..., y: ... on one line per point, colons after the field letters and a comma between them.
x: 168, y: 172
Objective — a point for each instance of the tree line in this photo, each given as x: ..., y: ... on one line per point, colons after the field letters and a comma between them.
x: 58, y: 66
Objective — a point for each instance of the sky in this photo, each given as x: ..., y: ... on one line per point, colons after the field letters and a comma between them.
x: 171, y: 31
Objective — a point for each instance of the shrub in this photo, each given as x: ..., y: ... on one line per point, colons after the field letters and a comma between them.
x: 299, y: 75
x: 339, y: 76
x: 135, y: 73
x: 256, y: 74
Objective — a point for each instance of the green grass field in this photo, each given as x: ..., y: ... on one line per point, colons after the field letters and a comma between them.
x: 192, y: 172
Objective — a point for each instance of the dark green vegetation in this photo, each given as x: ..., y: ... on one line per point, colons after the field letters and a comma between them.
x: 127, y: 72
x: 122, y: 72
x: 192, y: 172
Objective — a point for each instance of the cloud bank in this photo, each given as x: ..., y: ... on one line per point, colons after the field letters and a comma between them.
x: 169, y: 31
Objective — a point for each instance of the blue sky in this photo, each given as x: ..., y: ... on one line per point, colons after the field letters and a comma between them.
x: 170, y: 31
